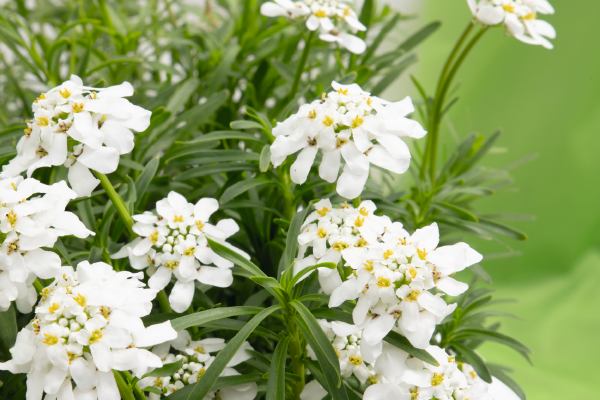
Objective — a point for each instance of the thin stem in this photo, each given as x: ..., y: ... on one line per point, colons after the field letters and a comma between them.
x: 356, y: 202
x: 116, y: 200
x: 163, y: 300
x: 38, y: 286
x: 296, y: 349
x: 301, y: 65
x: 442, y: 97
x: 436, y: 98
x: 137, y: 392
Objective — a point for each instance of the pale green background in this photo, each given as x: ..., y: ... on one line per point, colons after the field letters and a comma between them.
x: 547, y: 102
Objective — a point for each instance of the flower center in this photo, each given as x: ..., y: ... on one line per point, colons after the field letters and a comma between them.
x: 50, y: 340
x: 413, y: 272
x: 43, y: 121
x: 64, y: 93
x: 384, y: 282
x: 79, y: 299
x: 530, y: 16
x: 199, y: 225
x: 96, y: 335
x: 359, y: 221
x: 341, y: 142
x: 154, y: 237
x: 508, y: 8
x: 12, y: 218
x: 178, y: 218
x: 53, y: 308
x: 414, y: 295
x: 320, y: 13
x: 328, y: 121
x: 323, y: 211
x: 369, y: 266
x: 199, y: 349
x: 437, y: 379
x: 364, y: 211
x: 77, y: 107
x: 339, y: 246
x: 312, y: 114
x: 343, y: 91
x: 321, y: 232
x: 189, y: 251
x: 387, y: 254
x: 361, y: 243
x: 355, y: 360
x: 356, y: 122
x: 172, y: 265
x: 422, y: 254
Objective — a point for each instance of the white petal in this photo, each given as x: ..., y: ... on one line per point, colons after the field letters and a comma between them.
x: 385, y: 391
x: 301, y: 167
x: 81, y: 179
x: 350, y: 185
x: 490, y: 15
x: 378, y: 328
x: 84, y: 374
x: 355, y: 159
x: 354, y: 44
x: 220, y: 277
x: 181, y: 296
x: 330, y: 165
x: 54, y: 379
x: 45, y: 264
x: 382, y: 158
x: 104, y: 159
x: 313, y: 391
x: 107, y: 387
x: 102, y: 357
x: 451, y: 286
x: 117, y: 136
x: 204, y: 208
x: 269, y: 9
x: 160, y: 279
x: 155, y: 334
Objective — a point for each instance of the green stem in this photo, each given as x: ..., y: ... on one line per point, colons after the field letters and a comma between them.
x: 38, y: 286
x: 356, y: 202
x: 137, y: 392
x: 301, y: 65
x: 442, y: 98
x: 296, y: 349
x: 163, y: 300
x: 116, y: 200
x: 440, y: 84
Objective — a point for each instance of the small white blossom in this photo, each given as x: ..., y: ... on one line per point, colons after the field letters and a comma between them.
x: 332, y: 18
x: 351, y: 124
x: 81, y: 127
x: 175, y: 242
x: 197, y: 358
x: 519, y: 18
x: 32, y: 216
x: 86, y: 324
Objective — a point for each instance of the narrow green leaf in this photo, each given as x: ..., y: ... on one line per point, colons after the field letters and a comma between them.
x: 267, y: 282
x: 245, y: 124
x: 224, y: 356
x: 182, y: 94
x: 116, y: 60
x: 203, y: 317
x: 502, y: 229
x: 124, y: 390
x: 144, y: 179
x: 276, y: 383
x: 317, y: 332
x: 419, y: 36
x: 472, y: 358
x: 332, y: 314
x: 8, y: 327
x: 224, y: 68
x: 401, y: 342
x: 237, y: 325
x: 222, y: 135
x: 165, y: 370
x: 265, y: 158
x: 62, y: 250
x: 387, y: 28
x: 249, y: 204
x: 215, y: 169
x: 128, y: 163
x: 492, y: 336
x: 235, y: 258
x: 154, y: 319
x: 464, y: 214
x: 243, y: 186
x: 291, y: 245
x: 221, y: 383
x: 308, y: 270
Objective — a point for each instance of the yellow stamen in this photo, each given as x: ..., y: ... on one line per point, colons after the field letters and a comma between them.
x: 50, y: 340
x: 341, y: 142
x: 356, y: 122
x: 359, y: 221
x: 64, y: 93
x: 199, y: 349
x: 321, y: 232
x: 322, y: 212
x: 355, y: 360
x: 437, y: 379
x: 384, y: 282
x: 422, y: 254
x: 96, y: 335
x: 43, y: 121
x: 361, y: 243
x: 178, y: 218
x: 199, y: 225
x: 414, y: 295
x: 77, y: 107
x: 508, y: 8
x: 530, y: 16
x: 154, y: 237
x: 53, y: 308
x: 339, y: 246
x: 312, y: 114
x: 364, y: 211
x: 172, y: 265
x: 369, y: 266
x: 387, y: 254
x: 413, y: 272
x: 79, y: 299
x: 320, y: 13
x: 343, y: 91
x: 189, y: 252
x: 328, y: 121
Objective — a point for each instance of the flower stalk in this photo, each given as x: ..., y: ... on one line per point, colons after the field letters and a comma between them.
x: 116, y: 200
x: 301, y: 65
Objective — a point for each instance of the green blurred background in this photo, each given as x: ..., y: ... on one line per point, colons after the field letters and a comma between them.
x: 547, y: 102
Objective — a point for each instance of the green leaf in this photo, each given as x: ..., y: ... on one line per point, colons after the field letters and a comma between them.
x: 401, y: 342
x: 62, y: 250
x: 144, y: 179
x: 502, y: 229
x: 292, y: 237
x: 124, y: 390
x: 319, y: 335
x: 221, y: 383
x: 165, y: 370
x: 224, y: 68
x: 224, y: 356
x: 235, y: 258
x: 418, y: 37
x: 481, y: 273
x: 8, y: 327
x: 332, y: 314
x: 244, y: 124
x: 249, y: 204
x: 116, y: 60
x: 215, y: 169
x: 154, y: 319
x: 128, y: 163
x: 492, y: 336
x: 266, y: 282
x: 472, y: 358
x: 184, y: 91
x: 203, y: 317
x: 243, y: 186
x: 276, y: 383
x: 464, y: 214
x: 222, y: 135
x: 507, y: 380
x: 388, y: 27
x: 198, y: 155
x: 265, y: 158
x: 308, y: 270
x: 237, y: 325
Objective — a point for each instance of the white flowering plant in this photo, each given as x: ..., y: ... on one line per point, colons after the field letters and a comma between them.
x: 254, y: 238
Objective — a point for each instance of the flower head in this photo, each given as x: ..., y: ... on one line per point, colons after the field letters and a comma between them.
x: 87, y: 323
x: 81, y: 127
x: 350, y: 124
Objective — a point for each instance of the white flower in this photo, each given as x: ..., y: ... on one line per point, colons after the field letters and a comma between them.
x: 196, y: 359
x: 98, y: 120
x: 332, y: 18
x: 351, y: 124
x: 86, y: 324
x: 28, y: 222
x: 313, y: 391
x: 519, y: 18
x: 175, y: 242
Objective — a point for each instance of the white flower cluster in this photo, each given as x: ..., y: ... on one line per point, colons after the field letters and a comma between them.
x: 390, y: 272
x: 350, y: 123
x: 333, y: 19
x: 519, y: 18
x: 86, y: 324
x: 354, y: 359
x: 29, y: 222
x: 174, y: 242
x: 196, y: 359
x: 407, y: 378
x: 81, y: 127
